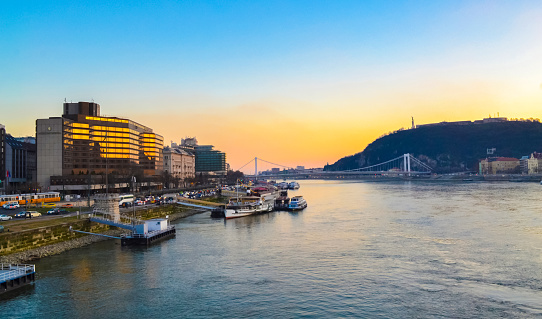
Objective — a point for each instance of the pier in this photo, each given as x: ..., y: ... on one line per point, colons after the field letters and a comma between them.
x: 143, y: 232
x: 14, y: 276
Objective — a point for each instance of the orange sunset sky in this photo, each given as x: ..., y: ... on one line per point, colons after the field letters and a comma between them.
x: 302, y: 83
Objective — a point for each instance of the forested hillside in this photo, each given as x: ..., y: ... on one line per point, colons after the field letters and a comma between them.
x: 448, y: 147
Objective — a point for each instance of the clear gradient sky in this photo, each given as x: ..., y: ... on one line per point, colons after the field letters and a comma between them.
x: 292, y: 82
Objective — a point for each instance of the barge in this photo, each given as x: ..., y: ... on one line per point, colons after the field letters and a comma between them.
x: 150, y: 232
x: 14, y: 276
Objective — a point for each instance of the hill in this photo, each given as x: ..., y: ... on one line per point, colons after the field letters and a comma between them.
x: 450, y: 147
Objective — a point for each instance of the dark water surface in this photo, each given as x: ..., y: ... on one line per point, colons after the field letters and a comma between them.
x: 367, y: 250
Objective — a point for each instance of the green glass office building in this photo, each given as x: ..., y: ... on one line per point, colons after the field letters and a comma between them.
x: 209, y: 160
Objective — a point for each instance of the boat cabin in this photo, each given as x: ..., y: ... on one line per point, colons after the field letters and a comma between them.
x: 150, y: 226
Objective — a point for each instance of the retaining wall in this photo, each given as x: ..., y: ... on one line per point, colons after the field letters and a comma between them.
x: 19, y: 241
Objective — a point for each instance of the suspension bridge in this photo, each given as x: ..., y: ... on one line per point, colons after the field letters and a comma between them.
x: 404, y: 165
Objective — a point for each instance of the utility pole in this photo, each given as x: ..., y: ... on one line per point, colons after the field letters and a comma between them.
x: 88, y: 189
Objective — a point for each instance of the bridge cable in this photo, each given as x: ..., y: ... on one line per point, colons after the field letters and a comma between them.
x: 274, y: 163
x: 252, y: 160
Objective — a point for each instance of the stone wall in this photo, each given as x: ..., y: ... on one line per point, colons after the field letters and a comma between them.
x: 15, y: 242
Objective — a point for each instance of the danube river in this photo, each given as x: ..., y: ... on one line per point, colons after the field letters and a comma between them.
x: 369, y: 250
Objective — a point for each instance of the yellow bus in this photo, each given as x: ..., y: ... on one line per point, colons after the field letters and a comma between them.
x: 35, y: 198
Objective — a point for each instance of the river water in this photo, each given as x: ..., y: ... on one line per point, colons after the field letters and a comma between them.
x: 367, y: 250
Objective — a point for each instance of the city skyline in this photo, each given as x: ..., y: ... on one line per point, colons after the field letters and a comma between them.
x: 301, y: 83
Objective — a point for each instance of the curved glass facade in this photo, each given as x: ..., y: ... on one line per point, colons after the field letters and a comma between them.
x: 97, y: 144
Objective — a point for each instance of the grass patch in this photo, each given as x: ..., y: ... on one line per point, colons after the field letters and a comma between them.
x: 20, y: 225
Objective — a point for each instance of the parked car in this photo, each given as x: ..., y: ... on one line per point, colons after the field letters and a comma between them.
x: 5, y: 217
x: 33, y: 213
x: 139, y: 203
x: 5, y: 206
x: 57, y: 211
x: 11, y: 206
x: 28, y: 213
x: 20, y: 215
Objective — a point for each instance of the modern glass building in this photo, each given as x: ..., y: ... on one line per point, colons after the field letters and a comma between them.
x: 82, y: 142
x: 209, y: 160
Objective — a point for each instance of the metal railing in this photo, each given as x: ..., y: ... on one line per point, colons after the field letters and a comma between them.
x: 149, y: 234
x: 11, y: 271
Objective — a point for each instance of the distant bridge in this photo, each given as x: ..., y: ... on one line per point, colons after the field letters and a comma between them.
x: 404, y: 165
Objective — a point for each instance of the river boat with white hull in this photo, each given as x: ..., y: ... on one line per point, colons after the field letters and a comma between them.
x: 293, y: 185
x: 245, y: 206
x: 267, y: 192
x: 297, y: 203
x: 282, y: 185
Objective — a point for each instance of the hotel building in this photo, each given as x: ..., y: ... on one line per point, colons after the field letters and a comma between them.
x: 80, y: 146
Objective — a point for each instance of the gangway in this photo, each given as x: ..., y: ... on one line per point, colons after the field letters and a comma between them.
x: 110, y: 222
x: 217, y: 210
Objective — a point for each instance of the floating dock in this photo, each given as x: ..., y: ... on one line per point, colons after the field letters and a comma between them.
x: 14, y: 276
x: 148, y: 238
x: 149, y: 232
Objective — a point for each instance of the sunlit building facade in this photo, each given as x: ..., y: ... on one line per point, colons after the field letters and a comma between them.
x: 82, y: 142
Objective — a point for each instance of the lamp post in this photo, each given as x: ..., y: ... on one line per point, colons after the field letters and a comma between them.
x: 133, y: 202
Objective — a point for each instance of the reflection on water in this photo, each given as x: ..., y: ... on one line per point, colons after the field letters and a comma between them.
x: 388, y: 250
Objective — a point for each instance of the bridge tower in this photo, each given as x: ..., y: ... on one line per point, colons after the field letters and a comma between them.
x: 256, y: 168
x: 406, y: 163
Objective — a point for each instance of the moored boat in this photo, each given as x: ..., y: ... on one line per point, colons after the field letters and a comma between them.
x: 267, y: 192
x: 297, y: 203
x: 245, y: 206
x: 283, y: 201
x: 282, y: 185
x: 293, y: 185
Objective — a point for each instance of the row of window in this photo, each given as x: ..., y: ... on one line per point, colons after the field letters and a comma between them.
x: 106, y: 119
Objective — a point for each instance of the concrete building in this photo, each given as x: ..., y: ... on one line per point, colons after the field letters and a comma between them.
x: 83, y: 143
x: 207, y: 159
x: 20, y: 160
x: 499, y: 165
x: 179, y: 163
x: 17, y: 162
x: 524, y: 165
x: 534, y: 163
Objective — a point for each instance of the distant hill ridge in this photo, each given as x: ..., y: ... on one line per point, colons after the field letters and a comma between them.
x: 451, y: 147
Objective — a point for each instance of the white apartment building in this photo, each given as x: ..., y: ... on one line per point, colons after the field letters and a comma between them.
x: 179, y: 163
